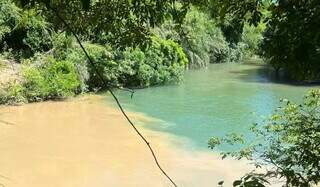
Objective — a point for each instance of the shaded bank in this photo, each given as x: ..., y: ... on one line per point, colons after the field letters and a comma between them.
x: 83, y: 143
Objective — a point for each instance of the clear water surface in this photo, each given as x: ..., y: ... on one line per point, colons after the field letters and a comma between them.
x: 210, y: 102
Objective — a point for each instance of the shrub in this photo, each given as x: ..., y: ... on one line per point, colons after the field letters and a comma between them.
x: 132, y: 70
x: 24, y: 31
x: 9, y: 14
x: 62, y: 45
x: 201, y: 38
x: 251, y: 38
x: 35, y: 85
x: 50, y: 79
x: 287, y: 144
x: 62, y: 78
x: 291, y: 39
x: 12, y: 93
x: 103, y: 59
x: 236, y: 52
x: 65, y: 49
x: 232, y: 29
x: 36, y: 28
x: 167, y: 59
x: 163, y: 61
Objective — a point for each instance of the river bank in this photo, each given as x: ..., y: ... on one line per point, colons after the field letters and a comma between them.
x: 84, y: 142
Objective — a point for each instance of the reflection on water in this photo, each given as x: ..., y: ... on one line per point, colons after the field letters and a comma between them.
x: 220, y: 99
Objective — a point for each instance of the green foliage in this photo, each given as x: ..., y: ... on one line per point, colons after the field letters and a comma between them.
x: 244, y: 39
x: 134, y: 60
x: 251, y: 38
x: 128, y: 22
x: 291, y: 40
x: 251, y: 180
x: 103, y: 58
x: 65, y: 70
x: 23, y: 31
x: 232, y: 29
x: 36, y: 28
x: 287, y: 143
x: 241, y: 11
x: 201, y: 38
x: 62, y: 44
x: 162, y: 61
x: 12, y: 93
x: 50, y: 79
x: 65, y: 49
x: 9, y: 13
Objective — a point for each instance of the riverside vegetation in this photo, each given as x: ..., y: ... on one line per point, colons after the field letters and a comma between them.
x: 287, y: 144
x: 54, y: 67
x: 148, y: 43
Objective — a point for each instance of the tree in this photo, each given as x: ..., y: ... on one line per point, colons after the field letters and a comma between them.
x: 287, y: 144
x: 291, y: 39
x: 24, y: 32
x: 119, y: 22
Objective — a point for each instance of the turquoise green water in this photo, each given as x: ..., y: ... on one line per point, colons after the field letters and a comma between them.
x: 210, y: 102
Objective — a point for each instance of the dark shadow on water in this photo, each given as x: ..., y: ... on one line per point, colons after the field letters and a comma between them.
x: 262, y: 73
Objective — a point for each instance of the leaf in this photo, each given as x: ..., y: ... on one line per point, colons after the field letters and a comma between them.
x: 224, y: 156
x: 221, y: 182
x: 247, y: 177
x: 237, y: 183
x: 253, y: 184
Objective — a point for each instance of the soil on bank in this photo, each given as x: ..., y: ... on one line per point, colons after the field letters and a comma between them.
x: 9, y: 72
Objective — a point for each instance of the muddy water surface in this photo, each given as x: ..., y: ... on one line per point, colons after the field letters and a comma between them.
x: 86, y: 143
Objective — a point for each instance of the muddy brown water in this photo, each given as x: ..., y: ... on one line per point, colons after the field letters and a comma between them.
x: 85, y: 143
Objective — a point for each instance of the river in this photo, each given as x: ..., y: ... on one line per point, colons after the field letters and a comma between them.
x: 221, y: 99
x: 86, y: 142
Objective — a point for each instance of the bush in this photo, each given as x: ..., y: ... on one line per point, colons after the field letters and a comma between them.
x: 62, y: 45
x: 12, y: 93
x: 287, y: 144
x: 167, y: 59
x: 162, y: 61
x: 24, y: 31
x: 251, y: 38
x: 201, y: 38
x: 291, y: 39
x: 9, y: 14
x: 236, y: 52
x: 50, y: 79
x: 103, y: 59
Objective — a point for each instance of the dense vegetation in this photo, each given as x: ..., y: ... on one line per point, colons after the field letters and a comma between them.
x: 291, y: 39
x: 287, y: 144
x: 136, y: 44
x: 126, y: 51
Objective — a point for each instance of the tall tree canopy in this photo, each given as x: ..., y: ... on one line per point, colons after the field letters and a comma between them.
x: 120, y: 22
x: 292, y: 36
